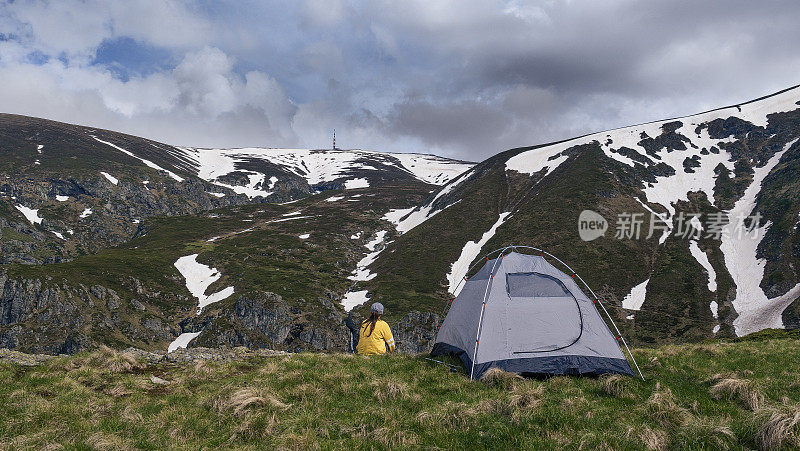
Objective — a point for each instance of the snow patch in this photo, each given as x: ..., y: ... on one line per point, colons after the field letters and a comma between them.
x: 304, y: 236
x: 353, y: 299
x: 290, y: 219
x: 714, y: 307
x: 216, y: 194
x: 635, y: 299
x: 702, y: 258
x: 408, y: 218
x: 31, y: 214
x: 59, y: 235
x: 533, y: 161
x: 39, y: 148
x: 663, y: 218
x: 148, y: 163
x: 431, y: 169
x: 356, y: 183
x: 320, y: 166
x: 182, y: 341
x: 755, y: 311
x: 62, y: 198
x: 251, y: 190
x: 362, y: 273
x: 334, y: 198
x: 110, y: 177
x: 198, y: 278
x: 86, y: 212
x: 378, y: 240
x: 470, y: 251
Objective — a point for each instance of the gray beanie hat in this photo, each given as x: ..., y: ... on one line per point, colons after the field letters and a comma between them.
x: 377, y: 308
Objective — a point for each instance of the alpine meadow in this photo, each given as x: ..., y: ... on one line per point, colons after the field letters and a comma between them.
x: 399, y: 225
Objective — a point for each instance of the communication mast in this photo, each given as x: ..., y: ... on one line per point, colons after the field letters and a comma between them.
x: 334, y: 139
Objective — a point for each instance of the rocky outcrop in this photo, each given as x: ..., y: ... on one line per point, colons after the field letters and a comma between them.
x: 791, y: 315
x: 96, y: 214
x: 264, y: 320
x: 416, y: 332
x: 43, y: 316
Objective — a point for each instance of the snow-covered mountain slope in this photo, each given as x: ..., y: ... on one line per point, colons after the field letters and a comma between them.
x: 263, y: 168
x: 63, y: 170
x: 723, y: 165
x: 684, y: 156
x: 684, y: 145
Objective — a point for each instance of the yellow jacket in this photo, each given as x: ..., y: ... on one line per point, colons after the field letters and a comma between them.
x: 377, y: 341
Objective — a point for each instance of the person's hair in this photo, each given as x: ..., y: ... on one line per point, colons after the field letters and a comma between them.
x: 373, y: 319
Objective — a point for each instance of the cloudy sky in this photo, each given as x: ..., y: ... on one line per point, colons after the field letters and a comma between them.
x: 459, y: 78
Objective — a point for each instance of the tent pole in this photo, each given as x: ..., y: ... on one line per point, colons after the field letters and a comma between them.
x: 480, y: 320
x: 619, y: 334
x: 455, y: 290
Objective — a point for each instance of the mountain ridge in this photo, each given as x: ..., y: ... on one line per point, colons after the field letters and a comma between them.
x: 294, y: 259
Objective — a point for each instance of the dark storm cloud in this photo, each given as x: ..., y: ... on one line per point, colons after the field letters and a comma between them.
x: 462, y: 78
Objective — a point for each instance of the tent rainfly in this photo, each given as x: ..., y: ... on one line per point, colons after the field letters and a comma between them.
x: 521, y: 314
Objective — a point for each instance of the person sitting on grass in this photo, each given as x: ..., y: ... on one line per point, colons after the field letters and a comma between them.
x: 374, y: 336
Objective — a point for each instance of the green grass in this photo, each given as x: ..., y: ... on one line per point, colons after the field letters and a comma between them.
x: 713, y: 395
x: 8, y: 233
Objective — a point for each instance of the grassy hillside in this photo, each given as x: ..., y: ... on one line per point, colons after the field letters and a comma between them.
x: 256, y: 248
x: 716, y: 395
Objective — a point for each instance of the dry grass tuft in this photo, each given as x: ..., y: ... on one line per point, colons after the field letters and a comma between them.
x: 741, y: 389
x: 390, y: 389
x: 107, y: 441
x: 118, y: 391
x: 495, y: 406
x: 715, y: 433
x: 115, y: 362
x: 663, y: 409
x: 526, y: 396
x: 247, y: 429
x: 449, y: 415
x: 245, y: 399
x: 614, y: 385
x: 105, y: 358
x: 651, y: 439
x: 425, y: 418
x: 205, y: 367
x: 394, y: 438
x: 270, y: 367
x: 779, y: 428
x: 710, y: 349
x: 496, y: 376
x: 131, y: 415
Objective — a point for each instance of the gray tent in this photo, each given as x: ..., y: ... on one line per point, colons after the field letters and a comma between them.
x: 521, y: 314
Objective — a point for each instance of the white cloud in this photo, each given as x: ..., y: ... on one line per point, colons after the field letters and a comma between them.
x: 207, y: 84
x: 76, y: 28
x: 323, y: 12
x: 464, y: 78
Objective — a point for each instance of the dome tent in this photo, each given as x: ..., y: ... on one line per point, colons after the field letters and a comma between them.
x: 521, y: 314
